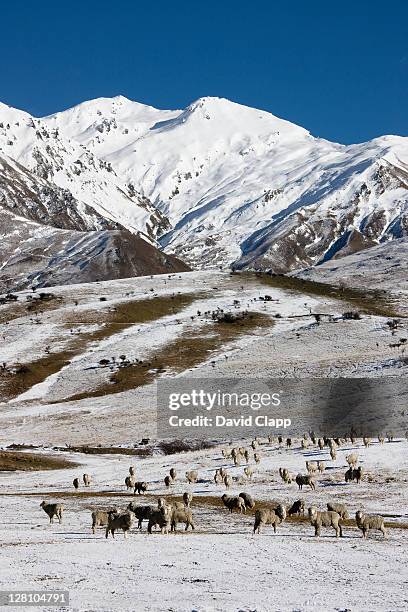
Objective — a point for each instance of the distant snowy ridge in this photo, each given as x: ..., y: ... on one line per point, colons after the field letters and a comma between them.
x: 218, y: 183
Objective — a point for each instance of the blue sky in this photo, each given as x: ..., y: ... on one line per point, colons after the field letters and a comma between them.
x: 340, y: 69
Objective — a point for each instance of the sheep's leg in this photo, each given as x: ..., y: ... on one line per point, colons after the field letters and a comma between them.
x: 317, y: 531
x: 107, y: 532
x: 125, y: 534
x: 383, y: 531
x: 341, y: 531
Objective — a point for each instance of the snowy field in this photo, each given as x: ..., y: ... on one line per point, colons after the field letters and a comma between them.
x: 221, y: 565
x: 163, y: 327
x: 82, y: 368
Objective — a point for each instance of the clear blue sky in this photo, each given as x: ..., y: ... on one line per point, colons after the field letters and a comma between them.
x: 338, y: 68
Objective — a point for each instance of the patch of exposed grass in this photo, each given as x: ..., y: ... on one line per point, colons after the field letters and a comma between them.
x: 190, y: 349
x: 11, y: 461
x: 112, y: 321
x: 373, y: 302
x: 16, y: 310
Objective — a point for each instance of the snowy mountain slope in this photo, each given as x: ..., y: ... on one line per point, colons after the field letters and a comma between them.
x: 384, y: 266
x: 48, y: 237
x: 70, y: 166
x: 243, y: 187
x: 240, y: 187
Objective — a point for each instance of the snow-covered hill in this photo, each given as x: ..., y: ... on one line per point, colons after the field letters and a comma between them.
x: 242, y: 187
x: 221, y: 184
x: 49, y: 155
x: 49, y: 237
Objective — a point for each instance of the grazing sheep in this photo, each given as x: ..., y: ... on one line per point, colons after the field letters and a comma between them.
x: 280, y: 440
x: 298, y: 507
x: 352, y: 459
x: 390, y: 436
x: 237, y: 461
x: 129, y: 482
x: 132, y: 470
x: 305, y: 479
x: 119, y: 521
x: 227, y: 481
x: 142, y: 513
x: 218, y: 479
x: 381, y: 439
x: 286, y: 476
x: 75, y: 482
x: 99, y: 519
x: 226, y: 453
x: 367, y: 442
x: 248, y: 500
x: 140, y: 487
x: 181, y: 515
x: 354, y: 474
x: 254, y: 444
x: 320, y: 444
x: 192, y: 476
x: 339, y: 508
x: 167, y: 481
x: 333, y: 454
x: 173, y: 474
x: 325, y: 519
x: 304, y: 443
x: 234, y: 503
x: 53, y: 510
x: 257, y: 458
x: 246, y: 455
x: 311, y: 467
x: 321, y: 466
x: 268, y: 516
x: 365, y: 522
x: 248, y: 472
x: 288, y: 442
x: 271, y: 439
x: 160, y: 517
x: 234, y: 453
x: 223, y: 472
x: 87, y: 480
x: 187, y: 499
x: 161, y: 503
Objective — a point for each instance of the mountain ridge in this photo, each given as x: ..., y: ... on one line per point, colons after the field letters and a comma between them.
x: 222, y: 184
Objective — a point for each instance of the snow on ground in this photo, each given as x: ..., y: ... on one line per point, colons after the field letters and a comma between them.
x: 291, y: 345
x: 221, y: 566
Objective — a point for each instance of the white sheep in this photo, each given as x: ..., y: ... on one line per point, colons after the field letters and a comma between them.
x: 192, y: 476
x: 365, y: 522
x: 339, y: 508
x: 325, y: 519
x: 269, y: 516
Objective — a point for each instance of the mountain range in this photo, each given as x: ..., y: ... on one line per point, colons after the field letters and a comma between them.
x: 114, y: 188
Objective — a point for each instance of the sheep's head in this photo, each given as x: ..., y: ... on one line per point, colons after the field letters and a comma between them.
x: 42, y: 504
x: 312, y: 512
x: 281, y: 512
x: 359, y: 516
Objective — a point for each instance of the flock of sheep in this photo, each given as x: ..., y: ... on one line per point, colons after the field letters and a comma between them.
x: 166, y: 516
